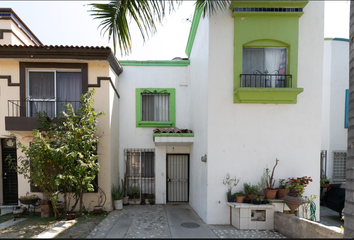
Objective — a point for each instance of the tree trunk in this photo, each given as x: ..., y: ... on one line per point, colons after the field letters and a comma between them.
x: 349, y: 187
x: 81, y: 195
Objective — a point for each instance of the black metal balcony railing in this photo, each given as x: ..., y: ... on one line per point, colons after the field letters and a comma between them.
x: 29, y: 108
x: 266, y: 80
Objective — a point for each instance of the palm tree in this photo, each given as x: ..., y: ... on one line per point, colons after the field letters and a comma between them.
x: 349, y: 187
x: 115, y: 14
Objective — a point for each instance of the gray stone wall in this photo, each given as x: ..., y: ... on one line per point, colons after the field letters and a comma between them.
x: 295, y: 227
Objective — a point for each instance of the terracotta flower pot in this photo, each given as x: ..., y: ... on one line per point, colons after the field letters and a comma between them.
x: 281, y: 193
x: 239, y: 199
x: 293, y: 202
x: 270, y: 193
x: 249, y: 196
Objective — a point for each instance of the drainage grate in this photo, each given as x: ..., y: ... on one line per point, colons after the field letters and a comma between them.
x: 190, y: 225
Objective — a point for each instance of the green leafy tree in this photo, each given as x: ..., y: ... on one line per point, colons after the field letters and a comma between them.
x: 145, y: 13
x: 61, y: 158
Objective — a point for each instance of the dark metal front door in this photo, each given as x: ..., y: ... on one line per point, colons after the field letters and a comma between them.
x: 178, y: 178
x: 10, y: 188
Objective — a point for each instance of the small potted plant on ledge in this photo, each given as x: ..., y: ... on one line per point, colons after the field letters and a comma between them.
x: 239, y: 196
x: 230, y: 183
x: 282, y: 191
x: 325, y: 182
x: 270, y: 192
x: 152, y: 199
x: 133, y: 193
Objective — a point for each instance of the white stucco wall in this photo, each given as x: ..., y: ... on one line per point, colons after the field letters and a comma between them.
x: 336, y: 81
x: 243, y: 139
x: 199, y: 72
x: 131, y: 136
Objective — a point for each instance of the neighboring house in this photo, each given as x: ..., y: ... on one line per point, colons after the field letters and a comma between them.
x: 241, y: 120
x: 249, y: 92
x: 335, y: 101
x: 35, y: 77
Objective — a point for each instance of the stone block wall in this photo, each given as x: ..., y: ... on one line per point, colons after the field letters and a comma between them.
x: 294, y: 227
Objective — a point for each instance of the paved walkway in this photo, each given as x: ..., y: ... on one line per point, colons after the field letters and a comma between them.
x: 167, y: 221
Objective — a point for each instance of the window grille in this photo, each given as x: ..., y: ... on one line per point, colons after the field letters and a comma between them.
x: 339, y: 163
x: 141, y: 171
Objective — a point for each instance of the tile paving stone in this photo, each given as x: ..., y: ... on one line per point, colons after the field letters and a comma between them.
x: 150, y: 221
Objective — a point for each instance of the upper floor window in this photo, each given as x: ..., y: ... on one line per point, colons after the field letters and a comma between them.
x: 49, y: 89
x: 155, y: 107
x: 264, y: 67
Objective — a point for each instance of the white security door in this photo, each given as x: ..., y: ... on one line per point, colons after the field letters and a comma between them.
x: 177, y: 178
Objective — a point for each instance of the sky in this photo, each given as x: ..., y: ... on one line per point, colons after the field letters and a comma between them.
x: 70, y: 23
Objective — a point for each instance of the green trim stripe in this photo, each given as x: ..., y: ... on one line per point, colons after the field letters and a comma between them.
x: 172, y: 135
x: 170, y: 63
x: 193, y: 30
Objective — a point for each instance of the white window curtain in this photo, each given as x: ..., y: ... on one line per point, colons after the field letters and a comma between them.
x: 155, y: 107
x: 262, y: 60
x: 265, y: 61
x: 68, y: 89
x: 41, y: 93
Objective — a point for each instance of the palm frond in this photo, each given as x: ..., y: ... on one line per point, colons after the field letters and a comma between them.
x: 211, y: 6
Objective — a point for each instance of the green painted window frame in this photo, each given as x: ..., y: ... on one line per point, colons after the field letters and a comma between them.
x: 266, y: 29
x: 171, y: 92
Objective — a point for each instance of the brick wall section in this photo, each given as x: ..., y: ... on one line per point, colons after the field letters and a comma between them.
x: 295, y: 227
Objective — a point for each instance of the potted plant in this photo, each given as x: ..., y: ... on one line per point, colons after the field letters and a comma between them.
x: 230, y: 183
x: 297, y: 187
x: 247, y: 189
x: 133, y: 193
x: 117, y: 195
x: 325, y: 182
x: 239, y: 196
x: 270, y: 191
x: 152, y: 199
x: 143, y: 199
x: 282, y: 191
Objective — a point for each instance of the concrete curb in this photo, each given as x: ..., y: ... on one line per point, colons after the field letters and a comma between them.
x: 56, y: 229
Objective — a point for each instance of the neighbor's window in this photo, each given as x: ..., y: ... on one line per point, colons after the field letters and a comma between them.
x: 263, y: 67
x: 47, y: 90
x: 155, y: 107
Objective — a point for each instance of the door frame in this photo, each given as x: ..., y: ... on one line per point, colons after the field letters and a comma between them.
x: 188, y: 172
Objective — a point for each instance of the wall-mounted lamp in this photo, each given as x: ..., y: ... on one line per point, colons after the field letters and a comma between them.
x: 204, y: 158
x: 10, y: 142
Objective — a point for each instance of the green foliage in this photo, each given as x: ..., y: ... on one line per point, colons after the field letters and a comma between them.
x: 117, y: 192
x: 282, y: 183
x: 133, y: 192
x: 115, y: 14
x: 239, y: 194
x: 61, y: 158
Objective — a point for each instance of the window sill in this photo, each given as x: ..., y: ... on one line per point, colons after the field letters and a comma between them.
x: 267, y: 95
x: 154, y: 124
